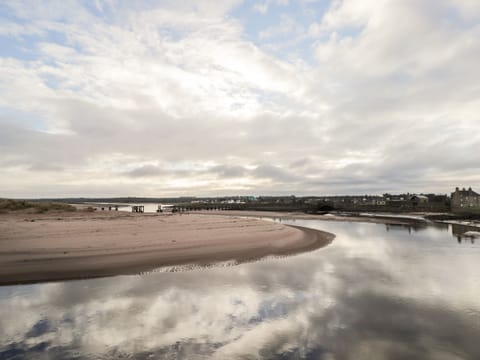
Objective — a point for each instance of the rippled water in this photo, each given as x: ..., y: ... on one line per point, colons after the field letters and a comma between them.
x: 377, y: 292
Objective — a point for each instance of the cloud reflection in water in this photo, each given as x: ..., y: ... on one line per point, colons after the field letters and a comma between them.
x: 396, y: 294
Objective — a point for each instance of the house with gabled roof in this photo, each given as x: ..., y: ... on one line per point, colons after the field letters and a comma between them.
x: 465, y: 200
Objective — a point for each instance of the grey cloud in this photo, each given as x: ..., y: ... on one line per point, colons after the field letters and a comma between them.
x: 145, y: 171
x: 46, y: 167
x: 37, y: 147
x: 228, y: 171
x: 275, y: 173
x: 301, y: 163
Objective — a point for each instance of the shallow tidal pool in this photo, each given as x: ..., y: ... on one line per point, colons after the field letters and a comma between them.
x: 377, y: 292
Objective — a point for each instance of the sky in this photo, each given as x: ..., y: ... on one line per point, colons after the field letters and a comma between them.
x: 214, y: 98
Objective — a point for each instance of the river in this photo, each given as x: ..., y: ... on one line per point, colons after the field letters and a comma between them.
x: 377, y: 292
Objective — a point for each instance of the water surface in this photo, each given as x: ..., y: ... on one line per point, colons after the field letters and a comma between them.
x: 377, y: 292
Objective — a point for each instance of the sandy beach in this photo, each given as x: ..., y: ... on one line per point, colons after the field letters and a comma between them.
x: 62, y: 246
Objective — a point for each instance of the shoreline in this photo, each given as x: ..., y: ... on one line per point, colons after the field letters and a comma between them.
x: 420, y: 219
x: 67, y: 246
x: 381, y: 218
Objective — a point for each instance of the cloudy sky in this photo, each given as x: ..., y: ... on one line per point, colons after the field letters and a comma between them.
x: 184, y: 97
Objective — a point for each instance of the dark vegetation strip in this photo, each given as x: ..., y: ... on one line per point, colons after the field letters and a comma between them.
x: 7, y: 205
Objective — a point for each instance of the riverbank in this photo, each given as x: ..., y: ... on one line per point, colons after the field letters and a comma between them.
x: 404, y: 219
x: 467, y: 228
x: 64, y: 246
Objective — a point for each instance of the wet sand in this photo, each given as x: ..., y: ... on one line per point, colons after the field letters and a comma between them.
x: 406, y: 219
x: 63, y: 246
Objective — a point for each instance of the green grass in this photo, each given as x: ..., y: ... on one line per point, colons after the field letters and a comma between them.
x: 7, y: 205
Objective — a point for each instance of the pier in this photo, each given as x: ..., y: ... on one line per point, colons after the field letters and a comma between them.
x: 138, y: 208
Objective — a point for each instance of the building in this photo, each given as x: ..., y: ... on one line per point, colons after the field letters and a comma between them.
x: 465, y: 200
x: 418, y: 199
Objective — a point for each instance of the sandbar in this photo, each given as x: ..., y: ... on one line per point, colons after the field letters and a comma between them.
x: 385, y: 218
x: 77, y: 245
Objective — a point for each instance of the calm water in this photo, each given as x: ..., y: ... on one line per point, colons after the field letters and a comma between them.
x: 378, y: 292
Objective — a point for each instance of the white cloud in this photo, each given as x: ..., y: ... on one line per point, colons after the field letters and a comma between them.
x: 181, y: 82
x: 261, y: 8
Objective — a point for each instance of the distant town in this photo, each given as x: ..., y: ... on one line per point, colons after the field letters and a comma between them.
x: 462, y: 201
